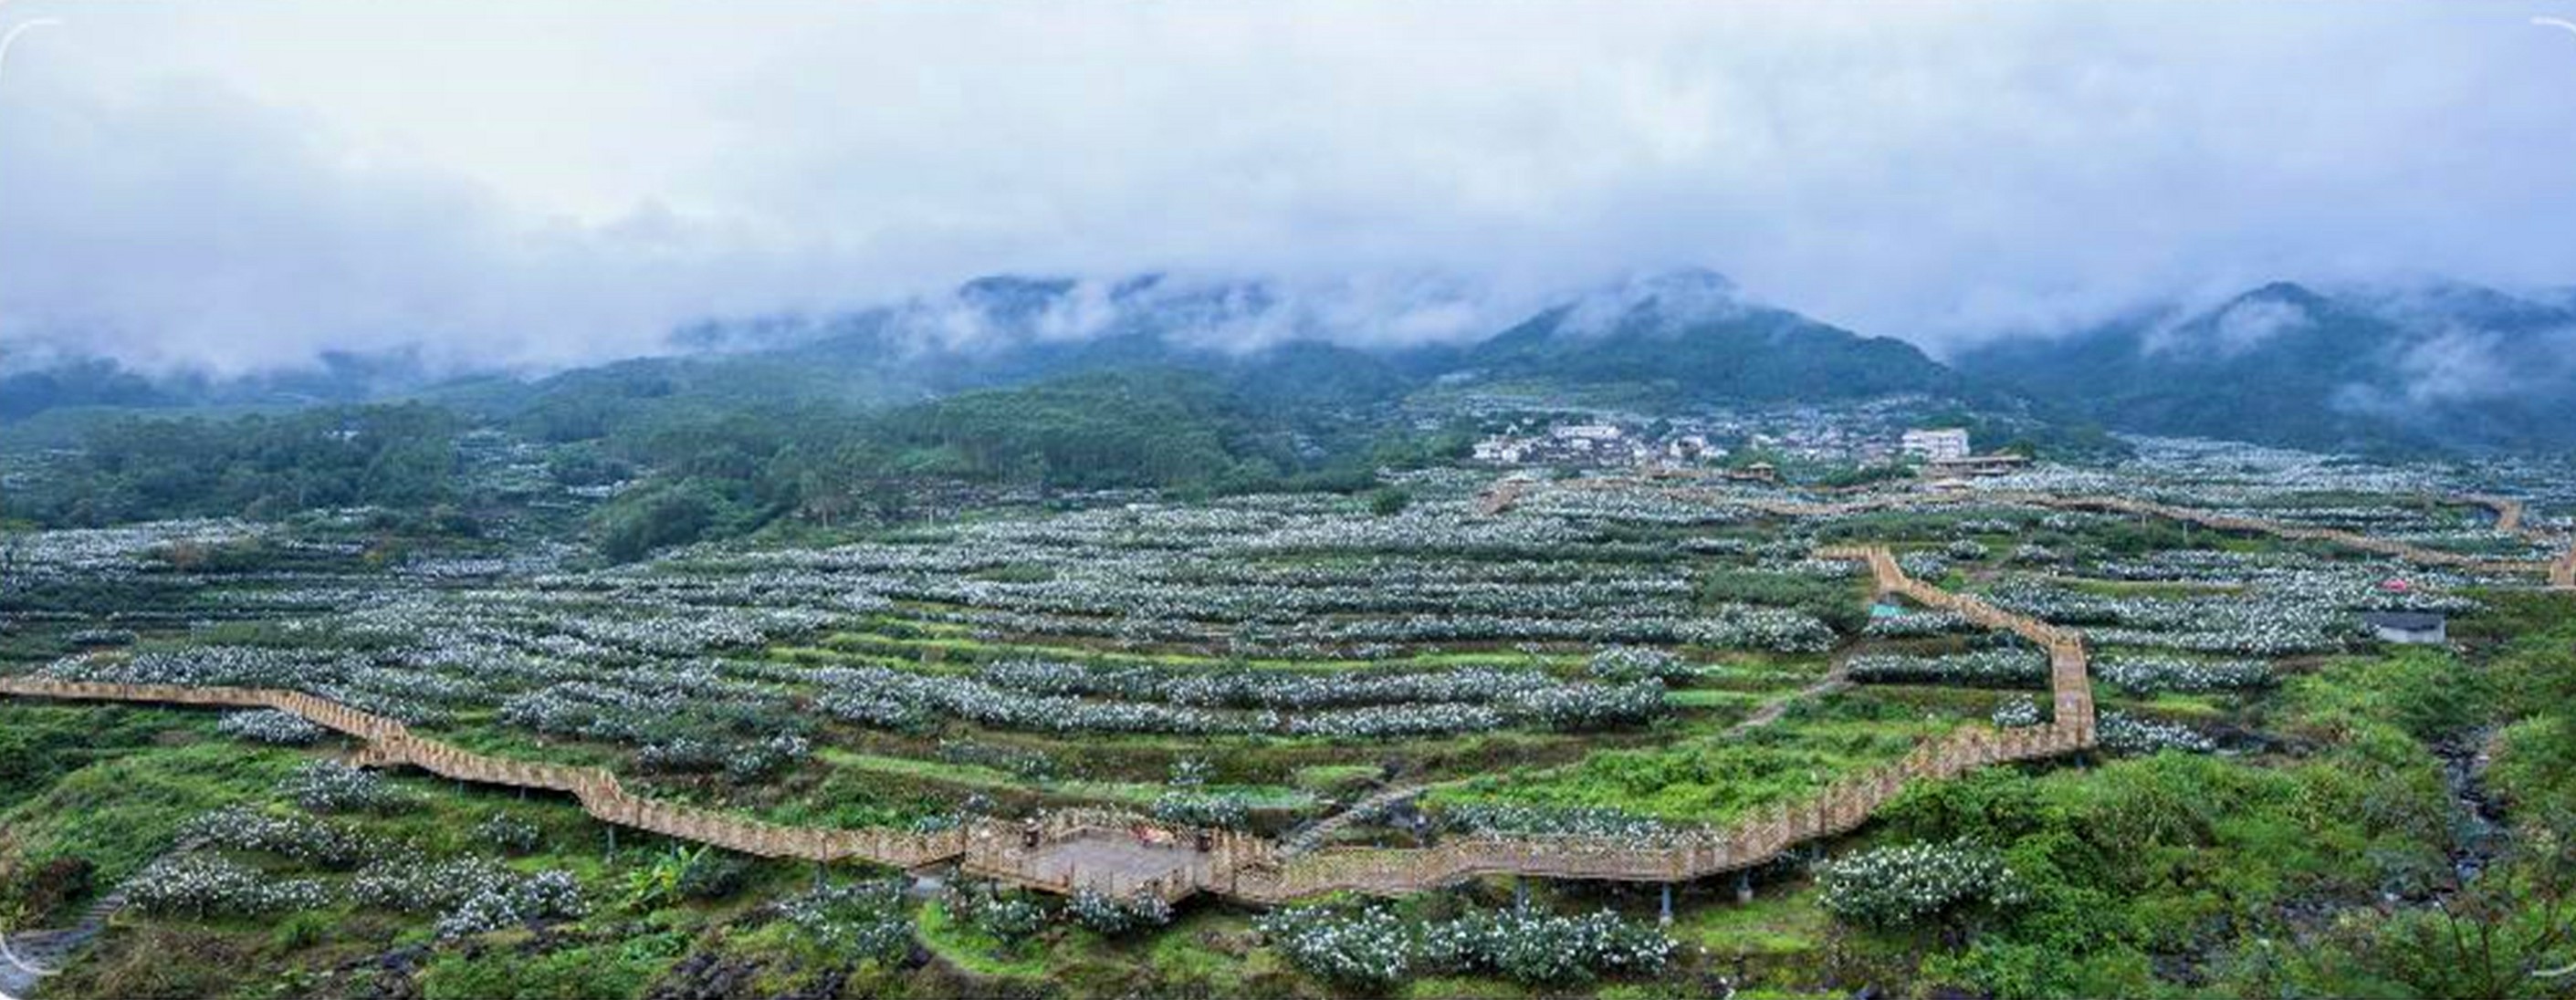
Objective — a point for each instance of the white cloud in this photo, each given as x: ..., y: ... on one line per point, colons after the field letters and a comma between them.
x: 241, y: 185
x: 2250, y: 324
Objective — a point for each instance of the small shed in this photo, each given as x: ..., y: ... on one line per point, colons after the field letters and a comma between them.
x: 2419, y: 628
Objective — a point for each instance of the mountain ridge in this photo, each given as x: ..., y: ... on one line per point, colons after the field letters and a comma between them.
x: 2422, y: 368
x: 2426, y: 367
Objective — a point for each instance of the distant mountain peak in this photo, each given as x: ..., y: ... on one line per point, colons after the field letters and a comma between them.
x: 1662, y: 301
x: 2282, y: 291
x: 2393, y: 364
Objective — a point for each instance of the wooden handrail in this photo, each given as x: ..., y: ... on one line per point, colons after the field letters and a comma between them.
x: 1253, y: 870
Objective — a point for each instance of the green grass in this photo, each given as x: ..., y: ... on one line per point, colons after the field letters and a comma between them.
x: 1713, y: 699
x: 1705, y: 779
x: 1773, y: 924
x: 979, y: 776
x: 1332, y: 777
x: 1464, y: 988
x: 607, y: 971
x: 119, y: 810
x: 963, y: 945
x: 1205, y: 953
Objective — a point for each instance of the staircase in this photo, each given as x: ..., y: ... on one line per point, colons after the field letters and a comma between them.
x: 30, y: 957
x: 36, y: 954
x: 1313, y: 835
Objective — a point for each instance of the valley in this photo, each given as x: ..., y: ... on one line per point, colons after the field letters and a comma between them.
x: 1116, y: 732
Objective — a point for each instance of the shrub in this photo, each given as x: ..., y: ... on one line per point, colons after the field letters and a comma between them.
x: 2151, y: 674
x: 331, y: 786
x: 1225, y: 810
x: 1389, y: 501
x: 1114, y: 916
x: 1534, y: 946
x: 241, y: 828
x: 1011, y: 917
x: 866, y: 918
x: 1590, y: 707
x: 1629, y: 664
x: 1892, y: 885
x: 268, y: 725
x: 1989, y: 667
x: 1525, y: 820
x: 713, y: 875
x: 1372, y: 948
x: 1737, y: 626
x: 508, y: 833
x: 2017, y: 712
x: 2120, y: 732
x: 546, y: 895
x: 471, y: 895
x: 204, y: 886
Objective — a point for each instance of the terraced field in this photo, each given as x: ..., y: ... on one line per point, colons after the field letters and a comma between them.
x: 1264, y: 698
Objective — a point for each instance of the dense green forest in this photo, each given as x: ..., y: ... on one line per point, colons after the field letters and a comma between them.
x: 704, y: 470
x: 1162, y: 429
x: 2285, y: 364
x: 396, y: 456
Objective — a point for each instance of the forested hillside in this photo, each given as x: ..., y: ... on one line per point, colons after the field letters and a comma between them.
x: 2420, y: 370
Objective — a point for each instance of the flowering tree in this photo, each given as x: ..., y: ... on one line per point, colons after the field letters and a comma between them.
x: 1899, y: 884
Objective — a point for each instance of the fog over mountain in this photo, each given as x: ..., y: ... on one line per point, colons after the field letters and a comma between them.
x: 238, y: 188
x: 2425, y: 365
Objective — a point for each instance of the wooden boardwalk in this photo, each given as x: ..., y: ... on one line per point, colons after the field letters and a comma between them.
x: 1120, y: 854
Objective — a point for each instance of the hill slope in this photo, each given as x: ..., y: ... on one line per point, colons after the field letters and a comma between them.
x: 1692, y: 336
x: 2446, y: 366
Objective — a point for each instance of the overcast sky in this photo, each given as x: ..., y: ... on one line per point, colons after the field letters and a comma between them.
x: 240, y: 184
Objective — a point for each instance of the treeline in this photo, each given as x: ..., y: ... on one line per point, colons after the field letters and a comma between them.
x: 700, y: 468
x: 259, y: 466
x: 1174, y: 430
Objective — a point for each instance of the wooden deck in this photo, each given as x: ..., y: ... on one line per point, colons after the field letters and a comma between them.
x: 1121, y: 854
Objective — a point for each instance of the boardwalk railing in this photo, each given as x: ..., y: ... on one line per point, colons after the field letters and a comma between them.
x: 389, y: 742
x: 1844, y: 805
x: 1256, y: 870
x: 1244, y: 867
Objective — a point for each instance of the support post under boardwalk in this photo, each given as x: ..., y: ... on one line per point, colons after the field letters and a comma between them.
x: 1744, y: 887
x: 1520, y: 891
x: 1667, y: 916
x: 612, y: 838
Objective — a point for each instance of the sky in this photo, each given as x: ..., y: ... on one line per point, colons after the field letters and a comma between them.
x: 240, y: 184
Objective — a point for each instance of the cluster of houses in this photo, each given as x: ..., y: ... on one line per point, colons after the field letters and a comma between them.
x: 1943, y: 455
x: 1586, y: 445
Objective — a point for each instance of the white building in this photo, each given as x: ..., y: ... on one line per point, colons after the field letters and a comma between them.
x: 1501, y: 450
x: 1946, y: 445
x: 1688, y: 447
